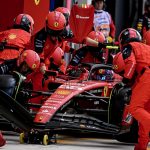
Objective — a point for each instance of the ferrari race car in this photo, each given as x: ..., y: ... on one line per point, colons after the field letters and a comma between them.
x: 94, y: 101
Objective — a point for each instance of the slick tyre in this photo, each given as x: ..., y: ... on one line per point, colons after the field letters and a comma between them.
x: 129, y: 137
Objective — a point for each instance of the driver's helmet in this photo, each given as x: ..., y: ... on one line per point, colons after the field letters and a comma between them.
x: 118, y: 63
x: 103, y: 75
x: 146, y: 37
x: 55, y: 23
x: 129, y: 35
x: 97, y: 36
x: 25, y: 22
x: 30, y: 58
x: 65, y: 11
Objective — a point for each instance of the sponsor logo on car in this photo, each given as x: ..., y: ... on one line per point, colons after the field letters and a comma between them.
x: 63, y: 92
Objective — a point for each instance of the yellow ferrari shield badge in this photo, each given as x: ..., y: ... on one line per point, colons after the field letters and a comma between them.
x: 37, y: 2
x: 56, y: 24
x: 105, y: 91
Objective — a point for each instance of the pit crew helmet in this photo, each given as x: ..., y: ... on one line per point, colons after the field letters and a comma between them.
x: 118, y: 63
x: 25, y: 22
x: 129, y: 35
x: 65, y: 11
x: 97, y: 36
x: 31, y: 58
x: 55, y: 23
x: 57, y: 56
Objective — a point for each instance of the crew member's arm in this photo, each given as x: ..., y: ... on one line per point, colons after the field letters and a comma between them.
x: 112, y: 29
x: 91, y: 42
x: 130, y: 62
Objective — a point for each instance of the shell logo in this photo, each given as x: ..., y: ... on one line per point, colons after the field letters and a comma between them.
x: 12, y: 36
x: 56, y: 24
x: 37, y: 2
x: 63, y: 92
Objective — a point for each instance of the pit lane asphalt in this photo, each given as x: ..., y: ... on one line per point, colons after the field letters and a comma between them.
x: 67, y: 142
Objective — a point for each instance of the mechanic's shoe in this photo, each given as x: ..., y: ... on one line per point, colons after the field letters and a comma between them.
x: 2, y: 140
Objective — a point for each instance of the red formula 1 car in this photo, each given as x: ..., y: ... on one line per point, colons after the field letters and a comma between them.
x: 97, y: 103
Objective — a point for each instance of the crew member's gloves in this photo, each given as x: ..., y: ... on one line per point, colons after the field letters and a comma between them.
x: 101, y: 45
x: 126, y: 80
x: 67, y: 33
x: 71, y: 50
x: 119, y: 85
x: 71, y: 70
x: 42, y: 68
x: 109, y: 39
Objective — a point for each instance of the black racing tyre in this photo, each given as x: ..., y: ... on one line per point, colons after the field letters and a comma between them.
x: 131, y: 136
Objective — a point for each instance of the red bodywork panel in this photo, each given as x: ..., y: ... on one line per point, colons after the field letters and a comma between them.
x: 62, y: 95
x: 9, y: 9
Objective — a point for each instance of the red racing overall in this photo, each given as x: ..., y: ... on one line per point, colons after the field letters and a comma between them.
x: 46, y: 50
x: 137, y: 60
x: 12, y: 43
x: 16, y: 40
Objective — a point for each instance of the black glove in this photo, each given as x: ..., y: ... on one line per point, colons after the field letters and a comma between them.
x: 119, y: 85
x: 1, y: 46
x: 126, y: 80
x: 71, y: 50
x: 67, y: 33
x: 101, y: 45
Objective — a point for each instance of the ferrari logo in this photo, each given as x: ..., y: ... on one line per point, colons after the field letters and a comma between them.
x: 33, y: 66
x: 37, y: 2
x: 12, y: 36
x: 56, y: 24
x: 105, y: 91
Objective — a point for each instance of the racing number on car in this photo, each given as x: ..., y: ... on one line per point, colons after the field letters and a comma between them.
x: 105, y: 91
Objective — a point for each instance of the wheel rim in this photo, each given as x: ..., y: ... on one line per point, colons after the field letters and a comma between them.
x: 45, y: 139
x: 21, y: 138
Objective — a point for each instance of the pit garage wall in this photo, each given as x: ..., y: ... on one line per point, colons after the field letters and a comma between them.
x: 126, y: 13
x: 9, y: 9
